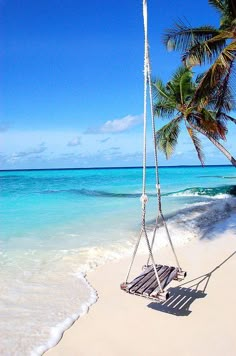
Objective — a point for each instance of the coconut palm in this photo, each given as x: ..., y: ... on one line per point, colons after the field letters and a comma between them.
x: 176, y: 101
x: 207, y: 44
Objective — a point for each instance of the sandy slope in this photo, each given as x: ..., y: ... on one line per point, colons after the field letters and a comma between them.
x: 198, y: 320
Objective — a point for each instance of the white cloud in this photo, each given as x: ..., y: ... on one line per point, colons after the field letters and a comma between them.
x: 117, y: 125
x: 76, y: 141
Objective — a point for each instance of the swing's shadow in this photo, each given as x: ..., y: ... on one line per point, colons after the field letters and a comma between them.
x: 183, y: 296
x: 179, y: 301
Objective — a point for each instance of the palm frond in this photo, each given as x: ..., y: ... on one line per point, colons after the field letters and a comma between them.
x: 228, y: 14
x: 221, y: 129
x: 182, y: 37
x: 216, y: 72
x: 181, y: 85
x: 159, y: 90
x: 227, y: 11
x: 186, y: 87
x: 181, y: 75
x: 197, y: 144
x: 232, y: 8
x: 165, y: 104
x: 205, y: 52
x: 226, y: 117
x: 209, y: 122
x: 222, y: 96
x: 199, y: 78
x: 179, y: 72
x: 218, y: 5
x: 163, y: 109
x: 167, y: 136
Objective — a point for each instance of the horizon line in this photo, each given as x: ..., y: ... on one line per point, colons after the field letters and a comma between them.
x: 118, y: 167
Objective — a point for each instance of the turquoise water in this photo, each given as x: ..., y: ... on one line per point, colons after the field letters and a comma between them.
x: 57, y: 223
x: 58, y: 202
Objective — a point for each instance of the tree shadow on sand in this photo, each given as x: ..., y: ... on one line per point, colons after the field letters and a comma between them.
x: 183, y: 296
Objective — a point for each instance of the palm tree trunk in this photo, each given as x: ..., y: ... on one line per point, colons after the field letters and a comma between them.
x: 216, y: 143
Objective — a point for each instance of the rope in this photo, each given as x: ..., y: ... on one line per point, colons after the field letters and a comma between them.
x: 133, y: 257
x: 157, y: 170
x: 145, y: 71
x: 144, y: 198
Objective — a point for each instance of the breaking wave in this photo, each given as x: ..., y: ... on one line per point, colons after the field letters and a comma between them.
x: 225, y: 190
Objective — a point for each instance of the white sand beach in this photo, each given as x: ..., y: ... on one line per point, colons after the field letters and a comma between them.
x: 104, y: 133
x: 198, y: 319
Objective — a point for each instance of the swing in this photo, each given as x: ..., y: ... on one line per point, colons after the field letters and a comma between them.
x: 154, y: 278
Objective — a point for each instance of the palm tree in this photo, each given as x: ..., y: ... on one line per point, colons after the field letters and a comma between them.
x: 176, y: 101
x: 207, y: 44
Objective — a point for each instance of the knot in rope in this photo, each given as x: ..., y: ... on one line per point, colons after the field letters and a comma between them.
x: 144, y: 199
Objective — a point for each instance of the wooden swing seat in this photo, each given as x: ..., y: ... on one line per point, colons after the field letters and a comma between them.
x: 146, y: 285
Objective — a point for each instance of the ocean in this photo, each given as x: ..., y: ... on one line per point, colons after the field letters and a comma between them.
x: 58, y: 224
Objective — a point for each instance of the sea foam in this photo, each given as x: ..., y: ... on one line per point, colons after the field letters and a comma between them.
x: 57, y: 331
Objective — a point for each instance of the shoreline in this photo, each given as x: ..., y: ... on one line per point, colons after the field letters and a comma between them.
x: 115, y: 323
x: 58, y: 331
x: 44, y: 286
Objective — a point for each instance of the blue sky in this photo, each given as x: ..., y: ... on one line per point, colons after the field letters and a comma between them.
x: 71, y: 92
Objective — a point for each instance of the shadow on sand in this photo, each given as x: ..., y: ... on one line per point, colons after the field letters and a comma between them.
x: 183, y: 296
